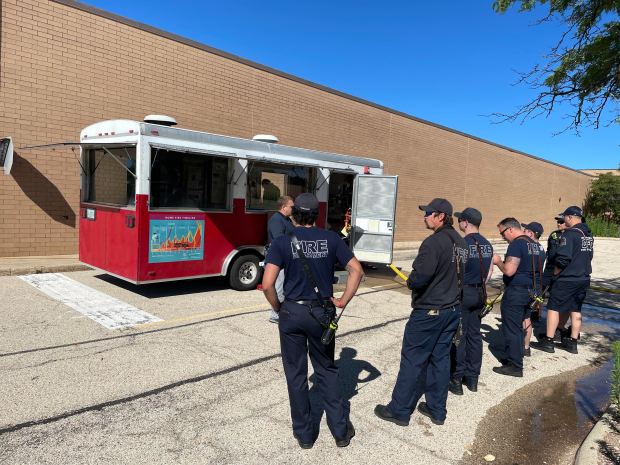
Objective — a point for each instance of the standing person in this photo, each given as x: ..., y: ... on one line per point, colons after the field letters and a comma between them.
x: 436, y: 285
x: 553, y: 242
x: 534, y: 230
x: 303, y: 317
x: 518, y: 281
x: 478, y: 271
x: 571, y: 279
x: 279, y: 225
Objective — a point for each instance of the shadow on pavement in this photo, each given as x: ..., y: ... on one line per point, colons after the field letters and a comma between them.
x: 353, y: 374
x: 170, y: 288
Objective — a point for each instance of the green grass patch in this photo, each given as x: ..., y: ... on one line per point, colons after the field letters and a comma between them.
x: 603, y: 228
x: 615, y: 376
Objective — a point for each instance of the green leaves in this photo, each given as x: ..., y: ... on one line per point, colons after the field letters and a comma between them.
x: 582, y: 71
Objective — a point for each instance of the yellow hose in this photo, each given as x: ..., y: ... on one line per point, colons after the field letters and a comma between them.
x: 398, y: 272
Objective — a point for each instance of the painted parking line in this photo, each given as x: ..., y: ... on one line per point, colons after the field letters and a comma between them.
x: 105, y: 310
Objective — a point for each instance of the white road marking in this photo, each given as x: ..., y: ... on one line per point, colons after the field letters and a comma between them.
x: 105, y: 310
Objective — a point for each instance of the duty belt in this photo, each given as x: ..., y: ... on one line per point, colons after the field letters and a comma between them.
x: 313, y: 303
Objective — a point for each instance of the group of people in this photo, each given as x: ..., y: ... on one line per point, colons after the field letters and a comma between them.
x: 448, y: 285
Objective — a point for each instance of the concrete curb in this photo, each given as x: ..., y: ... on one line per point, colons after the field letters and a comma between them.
x: 36, y: 269
x: 588, y: 452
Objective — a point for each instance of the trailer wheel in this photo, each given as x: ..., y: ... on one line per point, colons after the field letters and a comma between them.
x: 245, y: 273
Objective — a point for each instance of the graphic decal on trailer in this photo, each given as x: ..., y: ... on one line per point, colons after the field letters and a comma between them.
x: 175, y: 238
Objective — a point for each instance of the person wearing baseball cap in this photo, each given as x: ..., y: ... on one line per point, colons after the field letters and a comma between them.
x: 553, y: 242
x: 436, y: 284
x: 478, y: 270
x: 534, y: 230
x: 570, y: 280
x: 304, y: 314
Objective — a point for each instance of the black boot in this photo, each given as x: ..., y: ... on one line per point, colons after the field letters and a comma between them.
x: 456, y: 387
x: 545, y: 344
x: 471, y: 382
x: 569, y: 344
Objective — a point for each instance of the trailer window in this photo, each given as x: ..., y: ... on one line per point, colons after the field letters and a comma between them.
x: 186, y: 180
x: 267, y: 182
x: 109, y: 180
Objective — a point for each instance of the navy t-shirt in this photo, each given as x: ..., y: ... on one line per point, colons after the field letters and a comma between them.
x: 472, y: 268
x: 524, y: 248
x: 322, y: 248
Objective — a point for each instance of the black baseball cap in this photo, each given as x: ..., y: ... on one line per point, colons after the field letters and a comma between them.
x: 559, y: 218
x: 470, y: 214
x: 535, y: 227
x: 573, y: 211
x: 437, y: 205
x: 306, y: 202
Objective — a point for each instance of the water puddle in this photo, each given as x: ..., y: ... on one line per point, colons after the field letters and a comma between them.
x: 545, y: 422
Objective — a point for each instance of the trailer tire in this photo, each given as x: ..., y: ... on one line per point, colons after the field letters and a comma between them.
x: 245, y: 272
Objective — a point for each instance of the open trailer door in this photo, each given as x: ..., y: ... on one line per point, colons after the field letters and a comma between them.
x: 372, y: 218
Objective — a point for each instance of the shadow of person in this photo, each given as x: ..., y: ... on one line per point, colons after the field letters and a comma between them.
x: 42, y: 191
x: 353, y: 374
x: 493, y: 337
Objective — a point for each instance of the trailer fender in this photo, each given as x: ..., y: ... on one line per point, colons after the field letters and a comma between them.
x: 257, y: 250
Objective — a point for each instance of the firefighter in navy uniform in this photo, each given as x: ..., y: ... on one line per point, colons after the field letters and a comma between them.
x: 553, y: 242
x: 477, y: 273
x: 436, y: 284
x: 570, y: 281
x: 302, y: 318
x: 522, y: 280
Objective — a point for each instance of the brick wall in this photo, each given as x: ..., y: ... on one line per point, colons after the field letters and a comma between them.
x: 62, y: 68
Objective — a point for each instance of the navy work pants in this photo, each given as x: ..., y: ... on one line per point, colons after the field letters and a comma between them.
x: 300, y: 334
x: 425, y: 363
x: 513, y: 310
x: 469, y: 350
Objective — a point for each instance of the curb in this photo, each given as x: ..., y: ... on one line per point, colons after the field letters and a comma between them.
x: 588, y: 452
x: 19, y: 271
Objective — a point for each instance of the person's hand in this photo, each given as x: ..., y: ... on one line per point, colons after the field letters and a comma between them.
x: 497, y: 259
x: 339, y: 302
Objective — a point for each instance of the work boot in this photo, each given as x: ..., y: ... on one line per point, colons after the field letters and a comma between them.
x: 344, y: 442
x: 456, y: 387
x: 383, y: 412
x: 424, y: 410
x: 509, y: 370
x: 569, y: 344
x: 545, y: 344
x: 471, y: 382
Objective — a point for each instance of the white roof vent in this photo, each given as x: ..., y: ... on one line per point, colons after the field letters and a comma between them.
x: 160, y: 119
x: 270, y: 139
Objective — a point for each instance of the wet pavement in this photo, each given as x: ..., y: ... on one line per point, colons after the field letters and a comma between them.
x: 546, y: 421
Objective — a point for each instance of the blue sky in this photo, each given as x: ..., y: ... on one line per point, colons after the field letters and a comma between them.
x: 451, y: 63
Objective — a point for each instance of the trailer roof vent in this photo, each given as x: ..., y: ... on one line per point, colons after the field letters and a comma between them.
x: 270, y: 139
x: 160, y: 119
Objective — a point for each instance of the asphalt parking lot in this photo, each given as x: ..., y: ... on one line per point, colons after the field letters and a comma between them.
x: 205, y: 383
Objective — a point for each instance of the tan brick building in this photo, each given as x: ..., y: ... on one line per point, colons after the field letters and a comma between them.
x: 64, y: 65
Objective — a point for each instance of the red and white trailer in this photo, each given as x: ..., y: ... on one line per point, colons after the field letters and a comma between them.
x: 160, y: 203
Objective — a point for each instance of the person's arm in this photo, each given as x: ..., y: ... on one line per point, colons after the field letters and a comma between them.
x: 508, y: 266
x: 564, y: 253
x: 269, y: 285
x: 423, y: 267
x: 354, y: 267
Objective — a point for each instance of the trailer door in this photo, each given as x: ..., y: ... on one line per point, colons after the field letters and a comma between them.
x: 373, y: 215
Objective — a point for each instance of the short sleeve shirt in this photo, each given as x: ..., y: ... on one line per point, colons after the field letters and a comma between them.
x: 472, y: 268
x: 523, y: 248
x: 322, y: 248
